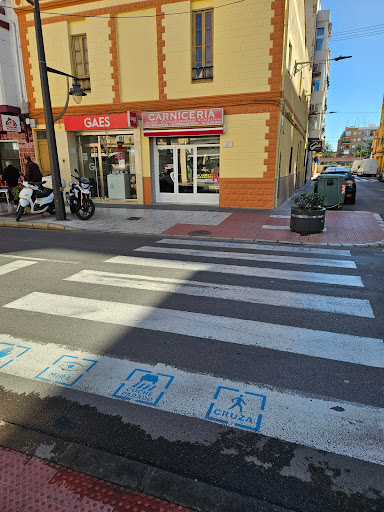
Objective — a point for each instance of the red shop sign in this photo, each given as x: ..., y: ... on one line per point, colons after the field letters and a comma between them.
x: 172, y: 119
x: 108, y: 121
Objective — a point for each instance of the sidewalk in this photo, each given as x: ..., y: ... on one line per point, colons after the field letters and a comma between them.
x: 41, y: 473
x: 36, y: 485
x: 341, y: 227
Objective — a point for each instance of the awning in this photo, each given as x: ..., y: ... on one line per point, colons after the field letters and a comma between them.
x: 184, y: 132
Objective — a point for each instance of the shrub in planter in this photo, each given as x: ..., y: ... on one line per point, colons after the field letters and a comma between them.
x: 308, y: 214
x: 15, y: 194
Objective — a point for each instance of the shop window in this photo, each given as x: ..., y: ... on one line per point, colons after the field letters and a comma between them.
x: 80, y: 62
x: 170, y: 141
x: 9, y: 151
x: 202, y: 44
x: 41, y: 135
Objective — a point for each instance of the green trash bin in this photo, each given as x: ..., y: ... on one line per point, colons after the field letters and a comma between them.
x: 331, y: 187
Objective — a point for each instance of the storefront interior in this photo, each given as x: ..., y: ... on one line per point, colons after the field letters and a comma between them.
x: 109, y: 163
x: 187, y: 169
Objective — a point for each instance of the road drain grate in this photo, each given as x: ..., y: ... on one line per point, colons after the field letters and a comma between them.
x: 134, y: 218
x: 200, y: 232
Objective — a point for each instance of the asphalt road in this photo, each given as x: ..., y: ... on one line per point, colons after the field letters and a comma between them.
x: 369, y: 196
x: 259, y: 371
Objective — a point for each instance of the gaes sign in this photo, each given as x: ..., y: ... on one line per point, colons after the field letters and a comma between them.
x: 101, y: 122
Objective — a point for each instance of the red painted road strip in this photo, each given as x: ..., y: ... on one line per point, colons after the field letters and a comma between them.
x: 30, y: 484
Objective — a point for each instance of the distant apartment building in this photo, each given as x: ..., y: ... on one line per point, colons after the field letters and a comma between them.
x: 15, y: 132
x: 318, y: 46
x: 354, y: 137
x: 378, y: 142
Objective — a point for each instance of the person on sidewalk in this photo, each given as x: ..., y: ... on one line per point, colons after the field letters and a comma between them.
x: 32, y: 171
x: 11, y: 177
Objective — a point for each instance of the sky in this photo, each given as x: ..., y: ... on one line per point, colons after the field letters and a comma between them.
x: 356, y: 85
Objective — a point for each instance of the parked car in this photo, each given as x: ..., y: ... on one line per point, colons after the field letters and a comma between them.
x: 368, y: 167
x: 350, y: 189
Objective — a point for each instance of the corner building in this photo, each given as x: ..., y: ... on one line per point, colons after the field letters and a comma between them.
x: 187, y: 101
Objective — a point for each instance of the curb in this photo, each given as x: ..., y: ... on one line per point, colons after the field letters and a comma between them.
x: 58, y: 227
x: 130, y: 474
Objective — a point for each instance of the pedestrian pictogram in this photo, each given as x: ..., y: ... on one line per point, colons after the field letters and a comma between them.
x: 66, y: 370
x: 238, y: 403
x: 144, y: 387
x: 10, y: 351
x: 237, y: 408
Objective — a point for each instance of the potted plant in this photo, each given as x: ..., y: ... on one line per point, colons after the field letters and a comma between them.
x: 308, y: 214
x: 15, y: 194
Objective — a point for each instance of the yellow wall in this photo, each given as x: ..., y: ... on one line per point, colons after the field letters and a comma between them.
x: 297, y: 87
x: 241, y: 47
x: 145, y: 155
x: 58, y: 55
x: 246, y: 158
x: 137, y: 56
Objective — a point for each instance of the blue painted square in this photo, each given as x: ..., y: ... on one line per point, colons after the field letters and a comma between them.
x: 9, y: 351
x: 144, y: 387
x: 66, y: 370
x: 237, y: 408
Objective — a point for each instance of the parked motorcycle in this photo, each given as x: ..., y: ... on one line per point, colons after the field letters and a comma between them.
x: 39, y: 198
x: 79, y: 197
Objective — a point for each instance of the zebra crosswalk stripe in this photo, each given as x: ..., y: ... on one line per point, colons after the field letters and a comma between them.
x: 258, y: 247
x: 284, y: 414
x: 272, y: 258
x: 14, y: 265
x: 310, y: 301
x: 328, y: 345
x: 266, y: 272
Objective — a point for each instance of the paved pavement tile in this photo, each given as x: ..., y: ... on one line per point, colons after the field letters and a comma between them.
x: 31, y: 484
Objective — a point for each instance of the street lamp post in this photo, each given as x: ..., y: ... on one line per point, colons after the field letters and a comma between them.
x: 49, y: 123
x: 305, y: 63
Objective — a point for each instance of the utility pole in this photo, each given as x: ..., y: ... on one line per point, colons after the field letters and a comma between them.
x: 51, y: 138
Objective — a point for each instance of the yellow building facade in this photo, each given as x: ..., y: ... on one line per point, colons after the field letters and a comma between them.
x: 378, y: 143
x: 193, y: 102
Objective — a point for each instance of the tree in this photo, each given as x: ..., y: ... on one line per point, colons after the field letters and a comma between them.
x: 364, y: 149
x: 328, y: 150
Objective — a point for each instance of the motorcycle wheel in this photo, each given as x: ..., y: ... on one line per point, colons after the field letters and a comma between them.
x: 86, y: 210
x: 20, y: 213
x: 73, y: 206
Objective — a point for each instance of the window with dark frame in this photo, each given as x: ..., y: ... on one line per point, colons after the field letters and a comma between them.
x: 290, y: 161
x: 80, y: 62
x: 202, y: 44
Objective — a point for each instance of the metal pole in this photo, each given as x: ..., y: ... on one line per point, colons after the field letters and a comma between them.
x: 51, y: 138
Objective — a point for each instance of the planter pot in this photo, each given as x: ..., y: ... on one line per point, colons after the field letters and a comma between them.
x: 307, y: 221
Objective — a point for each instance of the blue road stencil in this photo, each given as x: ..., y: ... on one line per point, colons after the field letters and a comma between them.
x: 9, y: 351
x: 66, y: 370
x: 237, y: 408
x: 144, y: 387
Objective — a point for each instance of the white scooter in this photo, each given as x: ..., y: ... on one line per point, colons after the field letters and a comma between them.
x: 38, y: 198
